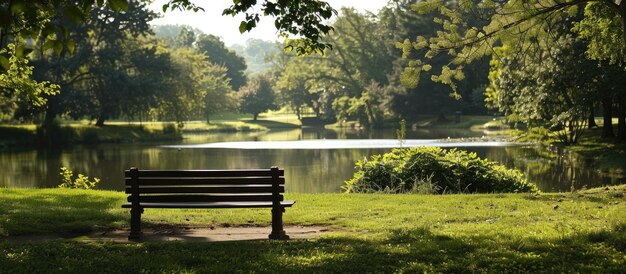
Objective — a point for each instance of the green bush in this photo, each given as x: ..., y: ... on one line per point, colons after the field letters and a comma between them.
x: 434, y: 170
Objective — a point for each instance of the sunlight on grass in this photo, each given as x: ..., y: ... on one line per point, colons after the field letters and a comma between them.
x: 554, y: 232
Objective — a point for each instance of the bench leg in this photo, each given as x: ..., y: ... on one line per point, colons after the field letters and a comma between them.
x: 277, y: 225
x: 135, y: 224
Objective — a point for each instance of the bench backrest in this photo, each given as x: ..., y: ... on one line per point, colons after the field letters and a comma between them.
x: 171, y: 186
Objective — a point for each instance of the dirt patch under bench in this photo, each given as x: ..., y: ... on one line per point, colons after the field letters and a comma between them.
x: 185, y: 234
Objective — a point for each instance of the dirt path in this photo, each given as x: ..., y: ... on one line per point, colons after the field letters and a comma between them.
x: 186, y: 234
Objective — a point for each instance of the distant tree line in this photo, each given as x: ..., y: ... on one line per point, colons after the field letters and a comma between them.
x: 554, y: 67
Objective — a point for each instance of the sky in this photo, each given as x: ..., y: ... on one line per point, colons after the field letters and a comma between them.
x: 211, y: 20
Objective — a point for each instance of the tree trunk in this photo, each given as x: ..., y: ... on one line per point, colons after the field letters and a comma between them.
x: 607, y: 114
x: 621, y: 115
x: 621, y: 122
x: 100, y: 121
x: 370, y: 114
x: 298, y: 113
x: 50, y: 114
x: 256, y: 115
x: 591, y: 122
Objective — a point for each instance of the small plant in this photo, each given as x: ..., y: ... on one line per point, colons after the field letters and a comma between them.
x: 426, y: 185
x: 81, y: 181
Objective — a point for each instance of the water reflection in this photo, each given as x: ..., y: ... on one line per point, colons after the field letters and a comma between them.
x: 310, y: 170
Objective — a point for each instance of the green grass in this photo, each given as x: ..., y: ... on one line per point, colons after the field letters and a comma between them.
x: 369, y: 233
x: 244, y: 125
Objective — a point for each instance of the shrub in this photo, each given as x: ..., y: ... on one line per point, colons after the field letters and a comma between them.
x: 434, y: 170
x: 81, y: 181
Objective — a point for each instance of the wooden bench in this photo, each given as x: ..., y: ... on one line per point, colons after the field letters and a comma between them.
x: 244, y: 188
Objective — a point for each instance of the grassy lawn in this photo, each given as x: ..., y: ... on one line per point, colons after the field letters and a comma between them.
x: 551, y: 232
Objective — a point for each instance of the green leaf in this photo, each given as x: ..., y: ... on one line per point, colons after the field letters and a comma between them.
x: 48, y: 30
x: 74, y: 14
x: 58, y: 47
x: 17, y: 7
x: 49, y: 44
x: 243, y: 26
x: 19, y: 50
x: 4, y: 62
x: 118, y: 5
x: 71, y: 46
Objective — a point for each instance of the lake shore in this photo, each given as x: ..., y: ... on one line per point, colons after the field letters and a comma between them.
x: 582, y: 231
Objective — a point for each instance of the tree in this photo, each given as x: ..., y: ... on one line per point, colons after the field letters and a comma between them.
x: 17, y: 83
x: 606, y: 32
x: 554, y: 87
x: 256, y: 53
x: 46, y: 21
x: 362, y: 54
x: 185, y: 38
x: 217, y: 53
x: 526, y: 24
x: 257, y: 97
x: 116, y: 69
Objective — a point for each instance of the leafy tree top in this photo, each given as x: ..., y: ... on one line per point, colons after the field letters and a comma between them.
x: 300, y: 18
x: 525, y: 24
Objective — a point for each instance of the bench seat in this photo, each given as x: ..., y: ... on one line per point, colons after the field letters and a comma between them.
x: 210, y: 204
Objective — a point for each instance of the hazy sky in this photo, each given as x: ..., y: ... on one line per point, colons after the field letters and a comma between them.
x: 211, y: 20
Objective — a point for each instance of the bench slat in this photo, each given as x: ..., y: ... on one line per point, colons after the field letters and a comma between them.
x: 207, y: 173
x: 207, y: 189
x: 204, y: 181
x: 205, y: 198
x: 210, y: 205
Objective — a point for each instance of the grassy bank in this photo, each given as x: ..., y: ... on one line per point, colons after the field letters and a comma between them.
x: 474, y: 122
x: 12, y: 136
x: 81, y: 132
x: 580, y: 232
x: 607, y: 155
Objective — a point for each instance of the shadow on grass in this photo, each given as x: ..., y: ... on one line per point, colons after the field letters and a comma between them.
x: 61, y: 214
x: 416, y: 250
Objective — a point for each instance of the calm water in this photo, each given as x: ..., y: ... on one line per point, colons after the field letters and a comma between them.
x: 307, y: 169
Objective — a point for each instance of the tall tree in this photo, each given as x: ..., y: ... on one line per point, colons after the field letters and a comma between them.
x: 553, y: 87
x: 527, y: 24
x: 256, y: 53
x: 43, y: 19
x: 115, y: 68
x: 217, y: 53
x: 257, y: 97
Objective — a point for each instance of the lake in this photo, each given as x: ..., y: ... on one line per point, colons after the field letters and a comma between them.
x: 315, y: 160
